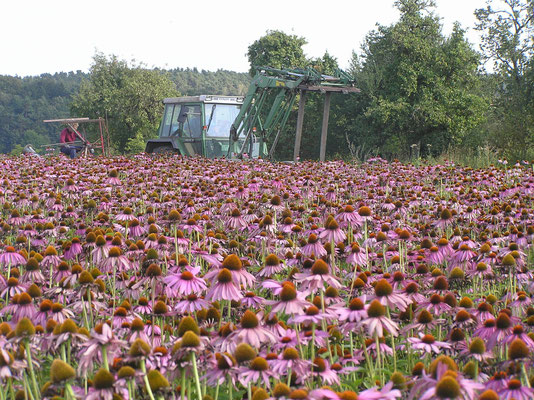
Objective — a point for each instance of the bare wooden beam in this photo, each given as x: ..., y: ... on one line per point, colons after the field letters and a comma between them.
x: 67, y: 120
x: 324, y: 130
x: 72, y: 120
x: 300, y: 122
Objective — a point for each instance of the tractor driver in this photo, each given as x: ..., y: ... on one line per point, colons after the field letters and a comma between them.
x: 67, y: 139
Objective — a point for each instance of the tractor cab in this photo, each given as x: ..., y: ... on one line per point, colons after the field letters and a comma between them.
x: 198, y: 125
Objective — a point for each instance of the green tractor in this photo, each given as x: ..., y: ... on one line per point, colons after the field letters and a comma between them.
x: 241, y: 126
x: 198, y: 125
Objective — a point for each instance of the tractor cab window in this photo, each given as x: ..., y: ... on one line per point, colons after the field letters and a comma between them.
x: 219, y: 119
x: 189, y: 121
x: 171, y: 115
x: 174, y: 120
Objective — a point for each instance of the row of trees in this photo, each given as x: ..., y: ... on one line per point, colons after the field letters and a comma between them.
x: 420, y: 89
x: 126, y: 93
x: 25, y: 103
x: 424, y: 92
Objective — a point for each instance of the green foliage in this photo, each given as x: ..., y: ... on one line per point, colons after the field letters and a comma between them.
x: 128, y: 96
x: 418, y: 87
x: 507, y: 40
x: 191, y: 82
x: 17, y: 150
x: 277, y: 49
x: 136, y: 144
x: 26, y: 102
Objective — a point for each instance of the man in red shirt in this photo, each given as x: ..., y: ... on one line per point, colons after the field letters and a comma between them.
x: 68, y: 137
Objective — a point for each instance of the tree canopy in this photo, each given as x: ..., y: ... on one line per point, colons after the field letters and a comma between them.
x: 277, y: 49
x: 418, y: 86
x: 507, y: 29
x: 128, y: 96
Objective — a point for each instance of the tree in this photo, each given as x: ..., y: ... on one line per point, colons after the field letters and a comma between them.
x: 277, y: 50
x: 508, y: 40
x: 417, y: 85
x: 129, y: 96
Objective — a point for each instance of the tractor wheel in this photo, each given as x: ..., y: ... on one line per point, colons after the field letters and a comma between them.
x: 163, y: 150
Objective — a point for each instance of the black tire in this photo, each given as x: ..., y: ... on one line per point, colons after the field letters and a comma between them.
x: 163, y: 150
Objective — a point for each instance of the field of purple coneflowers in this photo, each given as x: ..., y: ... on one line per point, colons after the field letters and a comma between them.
x: 173, y: 278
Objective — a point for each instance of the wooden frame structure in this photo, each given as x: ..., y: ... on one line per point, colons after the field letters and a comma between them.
x: 103, y: 143
x: 327, y: 90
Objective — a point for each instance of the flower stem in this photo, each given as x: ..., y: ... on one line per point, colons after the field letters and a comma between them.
x: 30, y: 367
x: 105, y: 358
x: 182, y: 385
x: 289, y: 377
x: 527, y: 380
x: 69, y: 393
x: 378, y: 359
x: 27, y: 393
x: 313, y: 343
x: 145, y: 379
x: 195, y: 373
x: 217, y: 391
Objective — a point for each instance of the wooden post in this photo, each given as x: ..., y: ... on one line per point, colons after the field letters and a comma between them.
x: 324, y: 130
x: 300, y: 121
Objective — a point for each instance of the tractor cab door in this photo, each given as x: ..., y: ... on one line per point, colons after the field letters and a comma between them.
x: 189, y: 130
x: 184, y: 122
x: 219, y: 119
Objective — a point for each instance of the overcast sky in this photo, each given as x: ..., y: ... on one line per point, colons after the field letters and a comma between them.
x: 39, y: 36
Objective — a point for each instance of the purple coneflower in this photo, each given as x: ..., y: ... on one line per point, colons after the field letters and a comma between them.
x: 348, y: 215
x: 257, y: 371
x: 222, y: 369
x: 125, y: 215
x: 476, y: 350
x: 11, y: 257
x: 239, y: 275
x: 291, y: 302
x: 356, y: 255
x: 311, y: 316
x: 236, y: 221
x: 503, y: 329
x: 290, y: 360
x: 184, y: 283
x: 317, y: 279
x: 224, y: 288
x: 516, y: 391
x: 272, y: 266
x: 321, y: 369
x: 355, y: 312
x: 332, y: 232
x: 412, y: 292
x: 427, y: 344
x: 251, y: 332
x: 386, y: 295
x: 115, y: 261
x: 445, y: 219
x: 314, y: 247
x: 376, y: 321
x: 13, y: 287
x: 191, y: 304
x: 435, y: 305
x: 251, y: 300
x: 25, y: 308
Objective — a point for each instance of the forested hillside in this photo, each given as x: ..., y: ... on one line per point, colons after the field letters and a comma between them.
x: 26, y: 102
